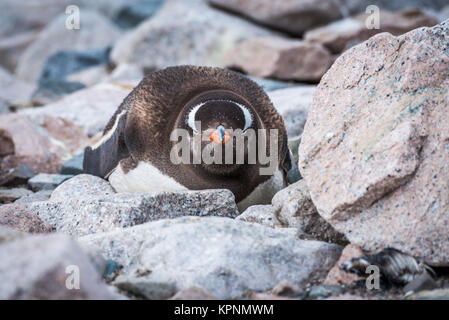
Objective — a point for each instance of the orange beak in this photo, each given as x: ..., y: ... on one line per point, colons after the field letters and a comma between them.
x: 220, y: 135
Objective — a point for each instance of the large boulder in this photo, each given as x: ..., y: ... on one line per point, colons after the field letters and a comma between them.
x: 291, y: 16
x: 280, y: 58
x: 228, y: 257
x: 56, y: 37
x: 87, y: 204
x: 183, y: 32
x: 374, y: 151
x: 48, y: 267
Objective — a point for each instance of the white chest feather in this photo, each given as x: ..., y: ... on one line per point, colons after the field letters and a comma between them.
x: 264, y: 192
x: 143, y: 178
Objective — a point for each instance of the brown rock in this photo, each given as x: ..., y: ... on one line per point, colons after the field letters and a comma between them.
x: 374, y: 151
x: 17, y: 217
x: 194, y: 293
x: 343, y: 34
x: 284, y: 59
x: 292, y: 16
x: 337, y: 276
x: 32, y: 145
x: 287, y: 289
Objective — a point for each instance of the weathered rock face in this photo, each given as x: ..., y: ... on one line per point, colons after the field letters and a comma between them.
x: 225, y: 256
x: 276, y: 57
x: 90, y: 108
x: 294, y: 208
x: 374, y: 151
x: 293, y: 104
x: 292, y: 16
x: 55, y: 37
x: 39, y: 267
x: 343, y: 34
x: 87, y: 204
x: 183, y: 32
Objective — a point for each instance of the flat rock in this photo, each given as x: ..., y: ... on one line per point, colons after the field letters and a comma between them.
x: 183, y: 33
x: 291, y: 16
x: 293, y: 208
x: 261, y: 214
x: 42, y: 195
x: 47, y: 181
x: 10, y: 195
x: 343, y: 34
x: 293, y: 104
x: 90, y: 108
x: 39, y: 267
x: 374, y: 149
x: 135, y: 286
x: 227, y: 257
x: 87, y: 204
x: 55, y: 37
x: 280, y: 58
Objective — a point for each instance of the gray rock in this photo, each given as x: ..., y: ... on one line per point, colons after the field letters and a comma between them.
x: 294, y: 208
x: 130, y: 15
x: 82, y: 186
x: 142, y: 288
x: 56, y: 37
x: 359, y: 6
x: 74, y: 165
x: 39, y: 267
x: 261, y: 214
x: 47, y: 181
x: 228, y: 257
x: 42, y: 195
x: 53, y: 90
x: 183, y: 32
x: 87, y: 204
x: 10, y: 195
x: 293, y: 104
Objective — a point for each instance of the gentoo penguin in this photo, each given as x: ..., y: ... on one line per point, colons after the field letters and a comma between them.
x: 135, y: 151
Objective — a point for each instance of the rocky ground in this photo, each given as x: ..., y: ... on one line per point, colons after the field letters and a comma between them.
x: 373, y: 154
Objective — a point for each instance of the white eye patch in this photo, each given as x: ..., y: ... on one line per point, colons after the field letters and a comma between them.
x: 194, y: 110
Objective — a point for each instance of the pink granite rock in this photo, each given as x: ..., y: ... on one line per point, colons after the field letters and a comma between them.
x: 375, y: 148
x: 280, y: 58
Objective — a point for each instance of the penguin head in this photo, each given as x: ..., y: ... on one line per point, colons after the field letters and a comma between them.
x: 219, y: 122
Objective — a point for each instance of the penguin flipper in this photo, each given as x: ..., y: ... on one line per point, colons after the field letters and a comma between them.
x: 101, y: 158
